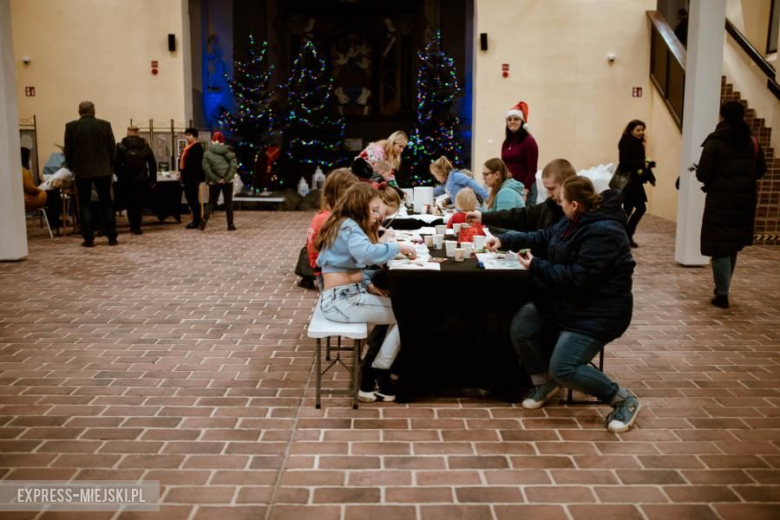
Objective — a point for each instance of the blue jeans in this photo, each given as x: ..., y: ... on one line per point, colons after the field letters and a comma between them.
x: 353, y: 304
x: 531, y: 200
x: 547, y: 353
x: 722, y: 271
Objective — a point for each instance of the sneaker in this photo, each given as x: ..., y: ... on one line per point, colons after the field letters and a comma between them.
x: 624, y: 415
x: 88, y: 243
x: 192, y: 225
x: 632, y: 243
x: 113, y: 242
x: 540, y: 394
x: 387, y: 387
x: 720, y: 300
x: 137, y: 232
x: 367, y: 394
x: 231, y: 227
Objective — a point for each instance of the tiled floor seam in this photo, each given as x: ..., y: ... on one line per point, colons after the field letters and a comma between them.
x: 278, y: 484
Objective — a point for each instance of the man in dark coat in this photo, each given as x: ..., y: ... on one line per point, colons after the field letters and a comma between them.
x: 191, y: 174
x: 136, y: 169
x: 90, y: 150
x: 730, y: 164
x: 539, y: 216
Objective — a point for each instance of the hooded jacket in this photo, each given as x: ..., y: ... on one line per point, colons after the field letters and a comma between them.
x: 529, y: 218
x: 584, y: 272
x: 458, y: 180
x: 511, y: 195
x: 219, y: 163
x: 145, y: 172
x: 729, y: 170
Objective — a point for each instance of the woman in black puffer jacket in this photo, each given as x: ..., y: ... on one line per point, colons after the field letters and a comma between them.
x: 730, y: 164
x: 583, y: 299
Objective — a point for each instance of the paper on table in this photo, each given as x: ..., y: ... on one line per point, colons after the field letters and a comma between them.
x: 504, y: 261
x: 412, y: 265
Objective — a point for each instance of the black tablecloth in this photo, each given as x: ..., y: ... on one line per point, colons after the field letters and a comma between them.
x: 454, y: 327
x: 163, y: 200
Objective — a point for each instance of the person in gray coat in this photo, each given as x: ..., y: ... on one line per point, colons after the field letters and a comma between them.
x: 220, y: 166
x: 90, y: 151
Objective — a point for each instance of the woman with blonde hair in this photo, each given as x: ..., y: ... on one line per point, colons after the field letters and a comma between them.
x: 505, y: 191
x: 452, y: 180
x: 389, y: 150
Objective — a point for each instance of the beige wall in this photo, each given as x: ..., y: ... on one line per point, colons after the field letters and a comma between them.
x: 99, y: 50
x: 664, y: 146
x: 745, y: 75
x: 751, y: 17
x: 557, y: 52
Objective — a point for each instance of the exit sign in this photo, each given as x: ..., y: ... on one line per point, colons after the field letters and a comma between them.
x: 29, y: 91
x: 636, y: 92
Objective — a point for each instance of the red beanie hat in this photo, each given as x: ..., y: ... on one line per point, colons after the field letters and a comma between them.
x: 520, y: 110
x: 218, y: 137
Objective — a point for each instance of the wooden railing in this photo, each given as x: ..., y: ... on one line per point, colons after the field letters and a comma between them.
x: 756, y: 56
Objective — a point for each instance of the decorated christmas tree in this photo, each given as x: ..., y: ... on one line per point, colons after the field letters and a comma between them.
x: 435, y: 132
x: 313, y: 135
x: 252, y: 121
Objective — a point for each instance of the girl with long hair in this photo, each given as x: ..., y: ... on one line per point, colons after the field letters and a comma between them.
x: 347, y: 244
x: 389, y: 150
x: 583, y: 273
x: 505, y: 191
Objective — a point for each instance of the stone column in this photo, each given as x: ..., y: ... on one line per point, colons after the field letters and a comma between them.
x: 13, y: 233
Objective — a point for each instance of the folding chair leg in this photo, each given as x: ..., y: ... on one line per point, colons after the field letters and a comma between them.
x: 46, y: 218
x: 318, y: 361
x: 327, y: 349
x: 355, y: 373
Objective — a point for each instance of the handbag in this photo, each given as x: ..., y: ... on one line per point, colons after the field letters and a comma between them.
x: 302, y: 268
x: 620, y: 179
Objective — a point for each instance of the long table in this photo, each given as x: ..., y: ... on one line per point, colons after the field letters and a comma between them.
x: 454, y: 326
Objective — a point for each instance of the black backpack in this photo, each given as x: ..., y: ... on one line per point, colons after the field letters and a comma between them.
x: 135, y: 162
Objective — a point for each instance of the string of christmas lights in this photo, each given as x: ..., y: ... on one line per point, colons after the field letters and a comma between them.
x: 436, y: 129
x: 253, y: 121
x: 312, y: 134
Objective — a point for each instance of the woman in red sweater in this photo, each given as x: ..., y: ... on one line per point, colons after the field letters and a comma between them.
x: 519, y: 150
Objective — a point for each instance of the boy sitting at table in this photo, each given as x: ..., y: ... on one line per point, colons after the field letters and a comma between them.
x: 466, y: 201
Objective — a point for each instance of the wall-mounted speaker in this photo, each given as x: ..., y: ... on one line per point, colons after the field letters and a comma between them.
x: 172, y: 42
x: 483, y: 42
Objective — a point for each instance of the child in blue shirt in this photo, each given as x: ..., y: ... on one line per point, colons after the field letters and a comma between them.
x: 452, y: 180
x: 347, y: 244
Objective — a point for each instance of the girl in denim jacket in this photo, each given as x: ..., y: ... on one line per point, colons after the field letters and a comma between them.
x: 347, y: 244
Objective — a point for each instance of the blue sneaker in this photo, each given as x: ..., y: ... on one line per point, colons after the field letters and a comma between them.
x: 624, y: 415
x: 540, y: 395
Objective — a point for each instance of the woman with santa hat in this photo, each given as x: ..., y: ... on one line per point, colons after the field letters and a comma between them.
x: 519, y: 150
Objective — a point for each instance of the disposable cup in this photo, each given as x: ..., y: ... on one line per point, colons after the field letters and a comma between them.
x: 438, y: 241
x: 459, y: 254
x: 450, y: 246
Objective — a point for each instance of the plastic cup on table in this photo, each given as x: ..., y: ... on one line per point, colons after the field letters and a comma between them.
x: 467, y: 247
x: 438, y: 241
x: 441, y: 229
x: 450, y: 246
x: 479, y: 242
x: 459, y: 254
x: 428, y: 240
x: 456, y: 228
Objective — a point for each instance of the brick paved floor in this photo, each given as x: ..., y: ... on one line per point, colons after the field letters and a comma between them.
x: 181, y: 357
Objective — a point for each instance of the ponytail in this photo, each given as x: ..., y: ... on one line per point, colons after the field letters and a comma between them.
x: 580, y: 189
